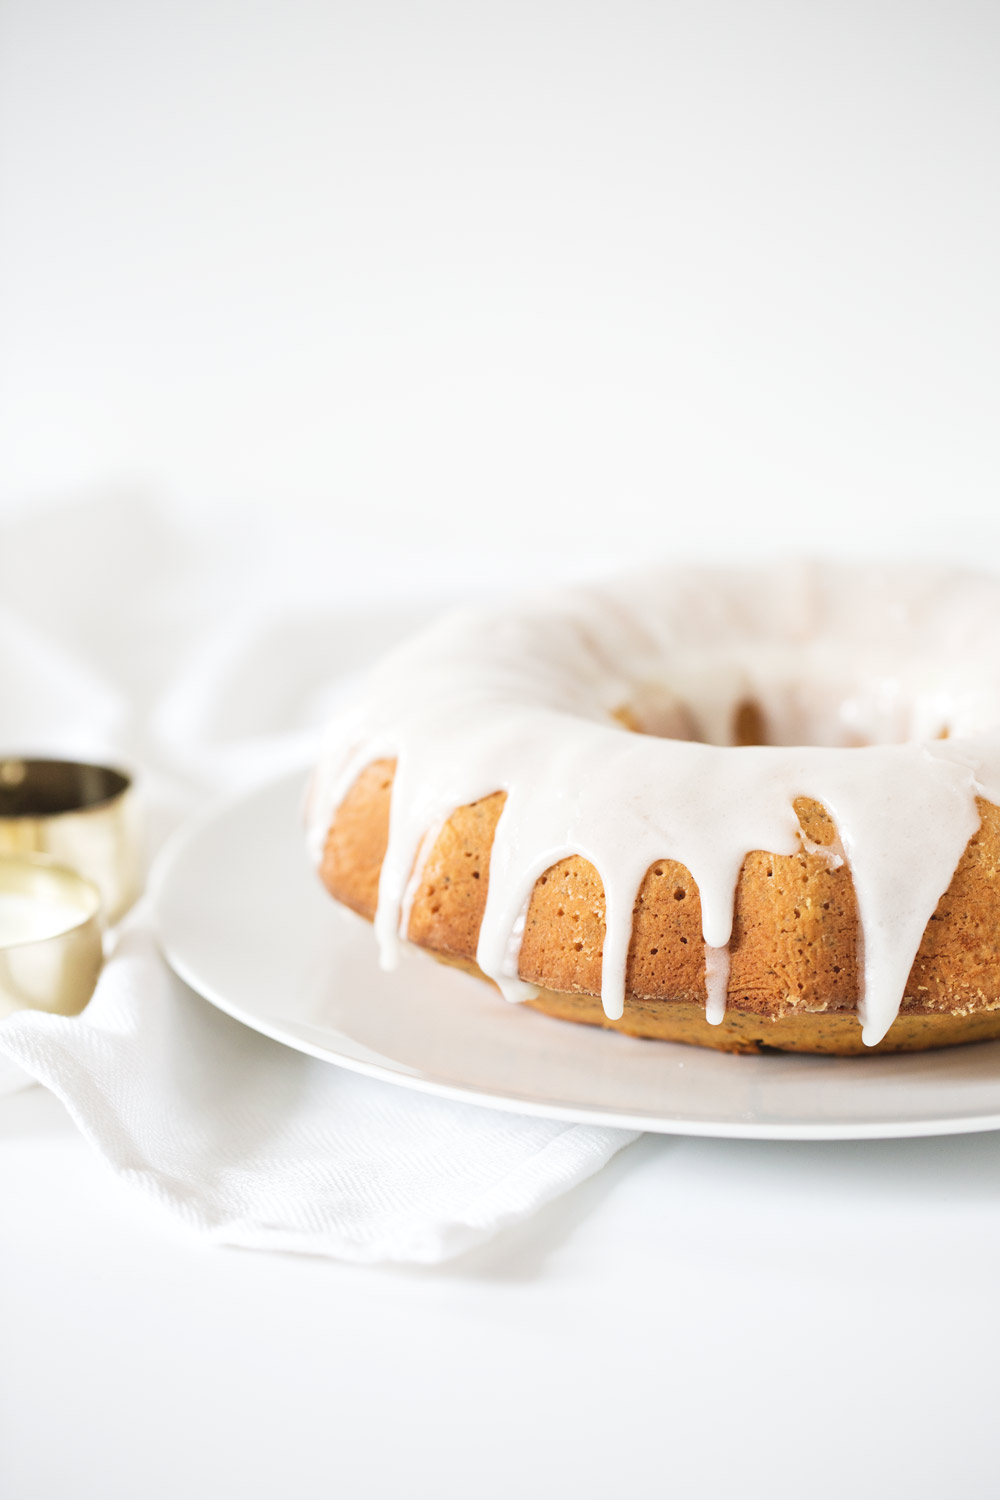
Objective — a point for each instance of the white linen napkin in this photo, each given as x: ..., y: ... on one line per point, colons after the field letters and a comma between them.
x: 259, y: 1146
x: 249, y: 1142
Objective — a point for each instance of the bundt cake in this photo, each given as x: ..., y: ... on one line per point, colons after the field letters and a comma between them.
x: 748, y: 809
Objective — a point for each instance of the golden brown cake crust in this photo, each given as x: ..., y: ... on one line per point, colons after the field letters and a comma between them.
x: 794, y: 975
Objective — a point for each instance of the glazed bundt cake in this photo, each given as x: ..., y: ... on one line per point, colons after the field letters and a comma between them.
x: 748, y: 809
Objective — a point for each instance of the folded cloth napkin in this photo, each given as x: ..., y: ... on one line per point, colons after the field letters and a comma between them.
x: 249, y: 1142
x: 263, y: 1147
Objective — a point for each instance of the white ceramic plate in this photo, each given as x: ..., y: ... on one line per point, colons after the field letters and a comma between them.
x: 243, y: 919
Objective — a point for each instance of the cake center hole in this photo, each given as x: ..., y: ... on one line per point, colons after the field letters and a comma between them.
x: 807, y: 712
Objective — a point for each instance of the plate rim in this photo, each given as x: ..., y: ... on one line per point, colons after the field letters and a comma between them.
x: 187, y: 834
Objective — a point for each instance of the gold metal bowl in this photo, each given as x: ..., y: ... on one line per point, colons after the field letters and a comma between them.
x: 50, y: 936
x: 84, y: 816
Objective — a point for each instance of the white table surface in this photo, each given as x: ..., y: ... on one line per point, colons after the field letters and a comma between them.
x: 704, y: 1318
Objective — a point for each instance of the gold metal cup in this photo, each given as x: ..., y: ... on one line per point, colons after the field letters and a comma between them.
x: 85, y: 816
x: 50, y: 936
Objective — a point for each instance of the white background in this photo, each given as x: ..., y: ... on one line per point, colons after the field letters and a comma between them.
x: 430, y: 299
x: 519, y: 286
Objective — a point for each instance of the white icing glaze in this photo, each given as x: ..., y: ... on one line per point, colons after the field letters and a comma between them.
x: 30, y: 919
x: 858, y: 673
x: 716, y: 984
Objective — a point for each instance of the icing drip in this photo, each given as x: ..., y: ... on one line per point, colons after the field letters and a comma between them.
x: 412, y: 887
x: 852, y: 675
x: 511, y: 987
x: 716, y: 984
